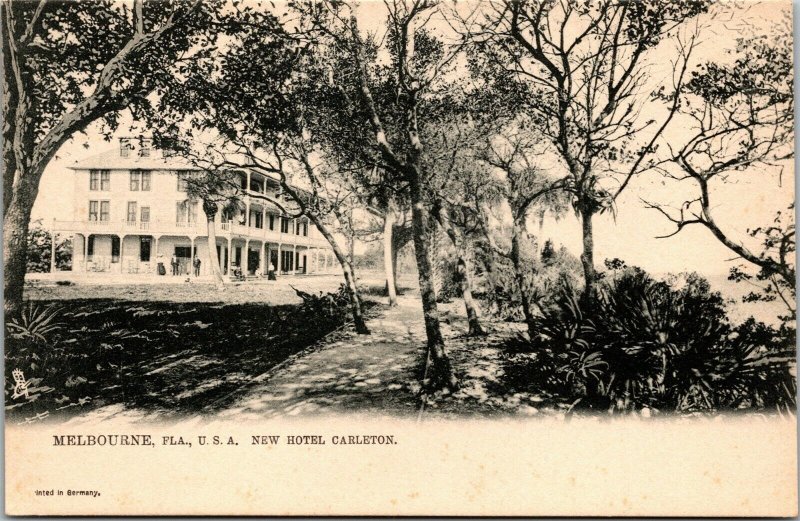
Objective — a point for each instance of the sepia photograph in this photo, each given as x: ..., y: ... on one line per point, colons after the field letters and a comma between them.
x: 476, y: 257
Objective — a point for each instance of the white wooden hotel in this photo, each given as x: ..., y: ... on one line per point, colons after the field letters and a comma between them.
x: 132, y: 212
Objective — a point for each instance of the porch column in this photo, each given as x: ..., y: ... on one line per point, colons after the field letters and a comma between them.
x: 121, y: 253
x: 280, y: 259
x: 263, y: 257
x: 246, y: 258
x: 228, y: 258
x: 53, y: 251
x: 72, y: 264
x: 86, y: 252
x: 294, y: 258
x: 191, y: 257
x: 267, y: 257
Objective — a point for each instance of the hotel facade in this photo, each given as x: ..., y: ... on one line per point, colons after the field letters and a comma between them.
x: 131, y: 211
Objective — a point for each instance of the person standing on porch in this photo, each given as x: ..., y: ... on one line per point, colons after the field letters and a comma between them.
x: 197, y: 266
x: 174, y: 263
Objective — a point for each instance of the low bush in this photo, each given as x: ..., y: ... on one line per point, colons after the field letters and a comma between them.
x: 543, y: 276
x: 645, y: 343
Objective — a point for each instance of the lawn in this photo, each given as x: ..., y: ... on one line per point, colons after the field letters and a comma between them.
x: 173, y: 350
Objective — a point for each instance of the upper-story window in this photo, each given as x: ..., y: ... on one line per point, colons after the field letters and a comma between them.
x: 99, y: 210
x: 284, y: 225
x: 140, y: 180
x: 186, y: 212
x: 125, y: 147
x: 272, y: 221
x: 100, y: 180
x: 131, y: 211
x: 145, y: 144
x: 183, y: 184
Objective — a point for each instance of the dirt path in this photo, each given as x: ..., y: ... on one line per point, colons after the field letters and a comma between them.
x: 378, y: 374
x: 350, y: 372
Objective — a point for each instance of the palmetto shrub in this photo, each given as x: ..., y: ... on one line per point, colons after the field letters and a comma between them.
x: 646, y: 343
x: 34, y: 323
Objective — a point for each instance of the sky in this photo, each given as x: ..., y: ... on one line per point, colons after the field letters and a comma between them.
x: 629, y: 234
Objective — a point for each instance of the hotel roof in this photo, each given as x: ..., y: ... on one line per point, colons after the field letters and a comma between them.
x: 112, y: 160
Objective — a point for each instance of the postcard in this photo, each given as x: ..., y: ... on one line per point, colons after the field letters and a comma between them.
x: 410, y: 257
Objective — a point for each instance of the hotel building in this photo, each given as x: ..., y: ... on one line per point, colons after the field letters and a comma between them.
x: 132, y: 212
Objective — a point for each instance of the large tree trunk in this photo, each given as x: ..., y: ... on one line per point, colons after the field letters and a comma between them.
x: 211, y: 212
x: 438, y: 371
x: 465, y: 280
x: 356, y: 306
x: 587, y: 259
x: 389, y: 256
x: 517, y: 236
x: 15, y: 246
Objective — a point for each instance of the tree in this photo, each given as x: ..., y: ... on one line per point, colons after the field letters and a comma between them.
x: 398, y: 102
x: 69, y: 64
x: 524, y: 186
x: 218, y: 190
x: 739, y: 123
x: 254, y: 99
x: 40, y: 243
x: 577, y: 69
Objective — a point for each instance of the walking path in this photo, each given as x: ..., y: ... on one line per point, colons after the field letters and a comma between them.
x: 347, y: 372
x: 378, y: 374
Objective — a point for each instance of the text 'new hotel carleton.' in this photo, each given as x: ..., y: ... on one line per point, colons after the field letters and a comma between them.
x: 132, y: 212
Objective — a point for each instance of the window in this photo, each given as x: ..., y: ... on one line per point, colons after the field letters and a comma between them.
x: 94, y: 179
x: 131, y: 211
x: 105, y: 180
x: 271, y: 221
x: 183, y: 185
x: 145, y: 218
x: 144, y: 147
x: 305, y: 228
x: 99, y: 210
x: 136, y: 176
x: 146, y: 180
x: 186, y: 212
x: 114, y: 249
x: 90, y: 246
x: 284, y: 225
x: 259, y: 220
x: 145, y: 244
x: 125, y: 147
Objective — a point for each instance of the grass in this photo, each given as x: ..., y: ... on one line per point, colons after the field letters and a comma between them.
x: 172, y: 350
